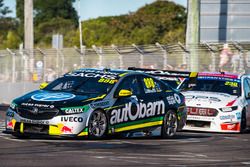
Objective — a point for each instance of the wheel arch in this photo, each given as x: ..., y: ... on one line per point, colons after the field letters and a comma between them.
x: 243, y: 114
x: 89, y: 115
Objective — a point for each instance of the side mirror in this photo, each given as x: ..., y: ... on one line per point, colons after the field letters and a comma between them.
x: 124, y: 93
x: 248, y: 95
x: 43, y: 85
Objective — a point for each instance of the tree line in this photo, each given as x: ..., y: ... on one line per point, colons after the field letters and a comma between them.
x: 160, y: 21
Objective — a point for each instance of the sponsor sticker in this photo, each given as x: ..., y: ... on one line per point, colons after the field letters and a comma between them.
x: 177, y: 98
x: 199, y: 118
x: 75, y: 110
x: 10, y: 114
x: 42, y: 122
x: 102, y: 104
x: 109, y: 81
x: 225, y: 117
x: 37, y: 105
x: 133, y: 111
x: 171, y: 100
x: 66, y: 129
x: 230, y: 126
x: 92, y: 75
x: 238, y: 115
x: 11, y: 124
x: 52, y: 96
x: 72, y: 119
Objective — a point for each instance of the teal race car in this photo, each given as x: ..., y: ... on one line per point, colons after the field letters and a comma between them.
x: 96, y: 103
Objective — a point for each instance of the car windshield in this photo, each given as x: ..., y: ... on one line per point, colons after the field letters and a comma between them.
x: 172, y: 83
x: 232, y: 87
x: 81, y: 85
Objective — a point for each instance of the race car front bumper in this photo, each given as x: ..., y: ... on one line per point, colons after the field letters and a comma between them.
x: 63, y: 125
x: 223, y: 122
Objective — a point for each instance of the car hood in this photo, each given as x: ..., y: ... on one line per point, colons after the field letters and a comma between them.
x: 209, y: 99
x: 55, y: 98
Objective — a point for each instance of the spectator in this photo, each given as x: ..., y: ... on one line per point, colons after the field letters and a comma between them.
x: 247, y: 59
x: 182, y: 67
x: 235, y: 62
x: 225, y: 57
x: 51, y: 75
x: 34, y: 76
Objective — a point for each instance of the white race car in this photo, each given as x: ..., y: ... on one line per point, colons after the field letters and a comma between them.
x: 218, y: 102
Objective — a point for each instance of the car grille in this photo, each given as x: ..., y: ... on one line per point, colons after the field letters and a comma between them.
x: 32, y: 128
x: 200, y: 124
x: 208, y: 112
x: 37, y: 113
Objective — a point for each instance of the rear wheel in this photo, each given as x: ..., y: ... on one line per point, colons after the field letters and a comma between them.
x: 170, y: 124
x: 98, y: 125
x: 243, y: 122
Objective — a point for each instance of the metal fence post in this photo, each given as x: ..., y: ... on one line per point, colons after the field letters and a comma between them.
x: 57, y: 62
x: 141, y: 55
x: 241, y: 59
x: 99, y: 53
x: 165, y: 55
x: 44, y: 63
x: 13, y: 76
x: 186, y: 55
x: 212, y: 51
x: 81, y: 52
x: 120, y: 55
x: 62, y: 62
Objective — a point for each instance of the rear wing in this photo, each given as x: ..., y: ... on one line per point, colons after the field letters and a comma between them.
x: 173, y: 78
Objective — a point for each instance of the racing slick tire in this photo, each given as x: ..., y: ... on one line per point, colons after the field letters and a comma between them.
x: 169, y: 126
x: 98, y: 125
x: 20, y: 136
x: 243, y: 122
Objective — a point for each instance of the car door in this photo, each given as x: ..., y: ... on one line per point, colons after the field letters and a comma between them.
x: 125, y: 110
x: 246, y: 86
x: 154, y: 93
x: 160, y: 94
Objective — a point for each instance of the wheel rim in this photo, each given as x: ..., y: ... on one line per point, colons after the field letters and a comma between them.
x: 98, y: 124
x: 171, y: 124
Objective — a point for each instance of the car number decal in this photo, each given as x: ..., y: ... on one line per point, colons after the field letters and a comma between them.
x: 149, y: 83
x: 232, y: 84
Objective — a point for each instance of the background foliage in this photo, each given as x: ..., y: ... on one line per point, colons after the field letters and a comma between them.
x: 161, y: 21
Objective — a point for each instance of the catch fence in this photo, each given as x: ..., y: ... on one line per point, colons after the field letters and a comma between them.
x: 42, y: 64
x: 35, y: 66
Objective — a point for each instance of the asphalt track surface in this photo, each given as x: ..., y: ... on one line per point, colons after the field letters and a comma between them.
x: 186, y: 149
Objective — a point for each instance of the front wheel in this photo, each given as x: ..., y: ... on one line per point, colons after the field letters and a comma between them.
x: 243, y: 122
x: 170, y: 124
x: 98, y: 125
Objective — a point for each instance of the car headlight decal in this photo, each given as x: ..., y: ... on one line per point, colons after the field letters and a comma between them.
x: 230, y: 103
x: 229, y: 109
x: 13, y: 106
